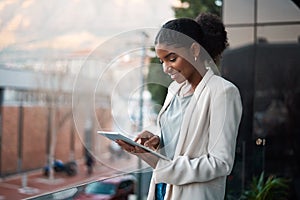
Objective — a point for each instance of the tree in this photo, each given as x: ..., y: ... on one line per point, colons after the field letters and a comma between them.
x: 191, y: 8
x: 158, y: 82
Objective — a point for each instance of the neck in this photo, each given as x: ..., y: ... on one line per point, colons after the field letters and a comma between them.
x: 198, y: 74
x: 195, y: 80
x: 186, y: 89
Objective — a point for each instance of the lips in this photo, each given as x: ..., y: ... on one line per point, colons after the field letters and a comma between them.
x: 173, y: 76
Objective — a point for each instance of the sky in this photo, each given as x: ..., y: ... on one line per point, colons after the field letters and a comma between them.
x: 74, y: 24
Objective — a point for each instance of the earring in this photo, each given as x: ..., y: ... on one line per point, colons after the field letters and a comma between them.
x: 195, y: 58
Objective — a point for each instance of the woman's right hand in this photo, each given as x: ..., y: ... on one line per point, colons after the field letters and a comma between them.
x: 148, y: 139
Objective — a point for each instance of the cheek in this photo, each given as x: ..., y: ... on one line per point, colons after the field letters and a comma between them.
x: 187, y: 71
x: 183, y: 66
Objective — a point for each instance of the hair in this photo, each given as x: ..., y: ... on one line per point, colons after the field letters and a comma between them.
x: 180, y: 32
x: 183, y: 32
x: 214, y: 34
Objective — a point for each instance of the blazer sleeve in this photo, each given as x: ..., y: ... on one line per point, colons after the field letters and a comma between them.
x: 225, y: 115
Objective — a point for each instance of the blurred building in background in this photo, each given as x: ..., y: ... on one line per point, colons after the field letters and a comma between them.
x: 33, y: 104
x: 43, y: 47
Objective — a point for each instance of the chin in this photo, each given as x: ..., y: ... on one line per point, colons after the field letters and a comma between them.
x: 180, y: 80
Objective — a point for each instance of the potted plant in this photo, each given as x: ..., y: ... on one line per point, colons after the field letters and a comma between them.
x: 272, y: 188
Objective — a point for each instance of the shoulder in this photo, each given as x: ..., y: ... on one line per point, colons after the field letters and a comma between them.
x: 219, y: 87
x: 219, y: 83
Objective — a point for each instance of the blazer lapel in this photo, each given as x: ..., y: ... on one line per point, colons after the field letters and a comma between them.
x: 185, y: 126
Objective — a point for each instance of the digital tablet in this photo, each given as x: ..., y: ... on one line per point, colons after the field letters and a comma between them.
x: 119, y: 136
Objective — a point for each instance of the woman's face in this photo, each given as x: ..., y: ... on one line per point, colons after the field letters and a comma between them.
x: 174, y: 65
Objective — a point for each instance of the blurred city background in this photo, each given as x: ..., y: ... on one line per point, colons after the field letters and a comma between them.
x: 69, y: 68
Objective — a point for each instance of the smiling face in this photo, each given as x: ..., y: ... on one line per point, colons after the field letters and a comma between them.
x: 176, y: 66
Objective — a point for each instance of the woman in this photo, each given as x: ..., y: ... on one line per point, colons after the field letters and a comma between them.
x: 198, y: 122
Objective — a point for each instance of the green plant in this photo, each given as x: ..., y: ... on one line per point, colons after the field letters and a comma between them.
x: 273, y: 188
x: 195, y: 7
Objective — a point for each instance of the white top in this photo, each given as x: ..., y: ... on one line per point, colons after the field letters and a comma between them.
x: 170, y: 123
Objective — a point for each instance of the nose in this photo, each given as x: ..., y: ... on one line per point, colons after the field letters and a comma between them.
x: 166, y: 68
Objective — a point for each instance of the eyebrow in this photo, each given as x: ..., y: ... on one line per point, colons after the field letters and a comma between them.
x: 169, y: 54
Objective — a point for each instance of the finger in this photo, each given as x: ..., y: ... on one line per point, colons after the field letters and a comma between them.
x: 153, y: 142
x: 137, y: 139
x: 144, y: 134
x: 141, y: 137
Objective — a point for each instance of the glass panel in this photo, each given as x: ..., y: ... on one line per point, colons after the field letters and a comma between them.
x: 277, y: 11
x: 279, y: 34
x: 239, y: 36
x: 237, y: 12
x: 266, y: 74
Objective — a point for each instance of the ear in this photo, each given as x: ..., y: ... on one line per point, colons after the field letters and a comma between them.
x: 195, y: 49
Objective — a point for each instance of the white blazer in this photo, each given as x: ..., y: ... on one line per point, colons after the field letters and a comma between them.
x: 205, y: 151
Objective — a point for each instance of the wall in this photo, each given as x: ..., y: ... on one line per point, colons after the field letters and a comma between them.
x: 29, y: 142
